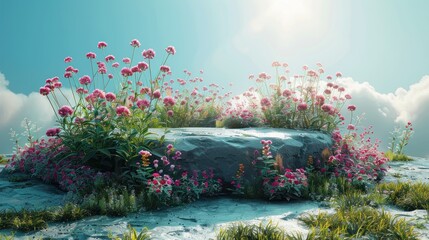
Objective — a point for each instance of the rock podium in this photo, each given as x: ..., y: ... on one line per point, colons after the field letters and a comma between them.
x: 224, y: 149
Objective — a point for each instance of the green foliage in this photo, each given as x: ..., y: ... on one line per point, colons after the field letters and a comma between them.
x: 359, y: 222
x: 256, y: 232
x: 397, y: 156
x: 111, y: 201
x: 132, y: 234
x: 7, y: 237
x: 406, y: 195
x: 3, y: 159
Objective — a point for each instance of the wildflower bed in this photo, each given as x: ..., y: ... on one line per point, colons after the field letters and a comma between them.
x: 103, y: 152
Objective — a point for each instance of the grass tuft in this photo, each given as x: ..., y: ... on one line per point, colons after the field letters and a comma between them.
x: 406, y: 195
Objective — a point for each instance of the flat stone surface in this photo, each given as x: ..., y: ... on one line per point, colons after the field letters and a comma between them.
x: 224, y: 149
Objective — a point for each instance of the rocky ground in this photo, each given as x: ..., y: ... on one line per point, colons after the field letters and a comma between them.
x: 199, y: 220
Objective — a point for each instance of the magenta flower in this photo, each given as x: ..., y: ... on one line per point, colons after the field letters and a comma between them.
x: 52, y: 132
x: 146, y: 154
x: 170, y: 50
x: 351, y: 108
x: 68, y: 75
x: 110, y: 76
x: 44, y: 91
x: 351, y: 127
x: 135, y: 69
x: 101, y: 45
x: 123, y: 111
x: 58, y: 85
x: 143, y: 66
x: 170, y: 113
x: 110, y: 97
x: 126, y: 60
x: 99, y: 94
x: 327, y: 108
x: 348, y: 96
x: 68, y: 59
x: 65, y: 111
x: 338, y: 74
x: 265, y: 102
x: 148, y: 54
x: 164, y: 69
x: 287, y: 93
x: 126, y: 72
x: 85, y: 80
x: 143, y: 103
x: 115, y: 64
x: 169, y: 101
x: 327, y: 91
x: 302, y: 106
x: 81, y: 90
x: 275, y: 64
x: 109, y: 58
x: 157, y: 94
x: 90, y: 55
x: 135, y: 43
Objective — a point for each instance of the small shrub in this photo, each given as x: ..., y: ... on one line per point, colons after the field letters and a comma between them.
x: 359, y: 222
x: 132, y: 234
x: 397, y: 156
x: 256, y: 232
x: 406, y: 195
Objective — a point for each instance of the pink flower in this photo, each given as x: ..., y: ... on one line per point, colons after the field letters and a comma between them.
x: 147, y: 154
x: 143, y: 103
x: 327, y: 91
x: 68, y: 75
x: 126, y: 72
x: 327, y: 107
x: 65, y: 111
x: 170, y: 113
x: 123, y: 111
x: 44, y: 91
x: 135, y: 43
x: 287, y: 93
x: 52, y: 132
x: 157, y: 94
x: 58, y: 84
x: 305, y: 67
x: 110, y: 97
x: 148, y: 54
x: 341, y: 89
x: 68, y: 59
x: 351, y: 127
x: 110, y: 76
x: 348, y: 96
x: 101, y: 45
x: 302, y: 106
x: 135, y: 69
x: 126, y: 60
x: 81, y: 90
x: 164, y: 69
x: 169, y: 101
x: 170, y: 50
x: 109, y: 58
x: 275, y: 64
x: 265, y: 102
x: 351, y: 108
x: 115, y: 64
x: 339, y: 74
x: 90, y: 55
x: 85, y: 80
x: 143, y: 66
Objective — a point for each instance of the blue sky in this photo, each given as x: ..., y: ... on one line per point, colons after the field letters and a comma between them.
x: 383, y: 43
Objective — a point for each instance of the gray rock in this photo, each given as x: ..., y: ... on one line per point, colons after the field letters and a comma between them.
x: 224, y: 149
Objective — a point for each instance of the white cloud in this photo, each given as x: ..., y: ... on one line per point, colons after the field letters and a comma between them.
x: 14, y: 107
x: 385, y: 111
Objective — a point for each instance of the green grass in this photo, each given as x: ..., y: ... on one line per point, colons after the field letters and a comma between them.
x: 406, y: 195
x: 358, y: 223
x: 397, y: 157
x: 256, y: 232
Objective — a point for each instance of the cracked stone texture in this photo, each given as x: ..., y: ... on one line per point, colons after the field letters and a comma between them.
x: 223, y: 149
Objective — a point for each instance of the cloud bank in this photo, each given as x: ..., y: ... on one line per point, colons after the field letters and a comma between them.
x: 385, y: 111
x: 14, y: 107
